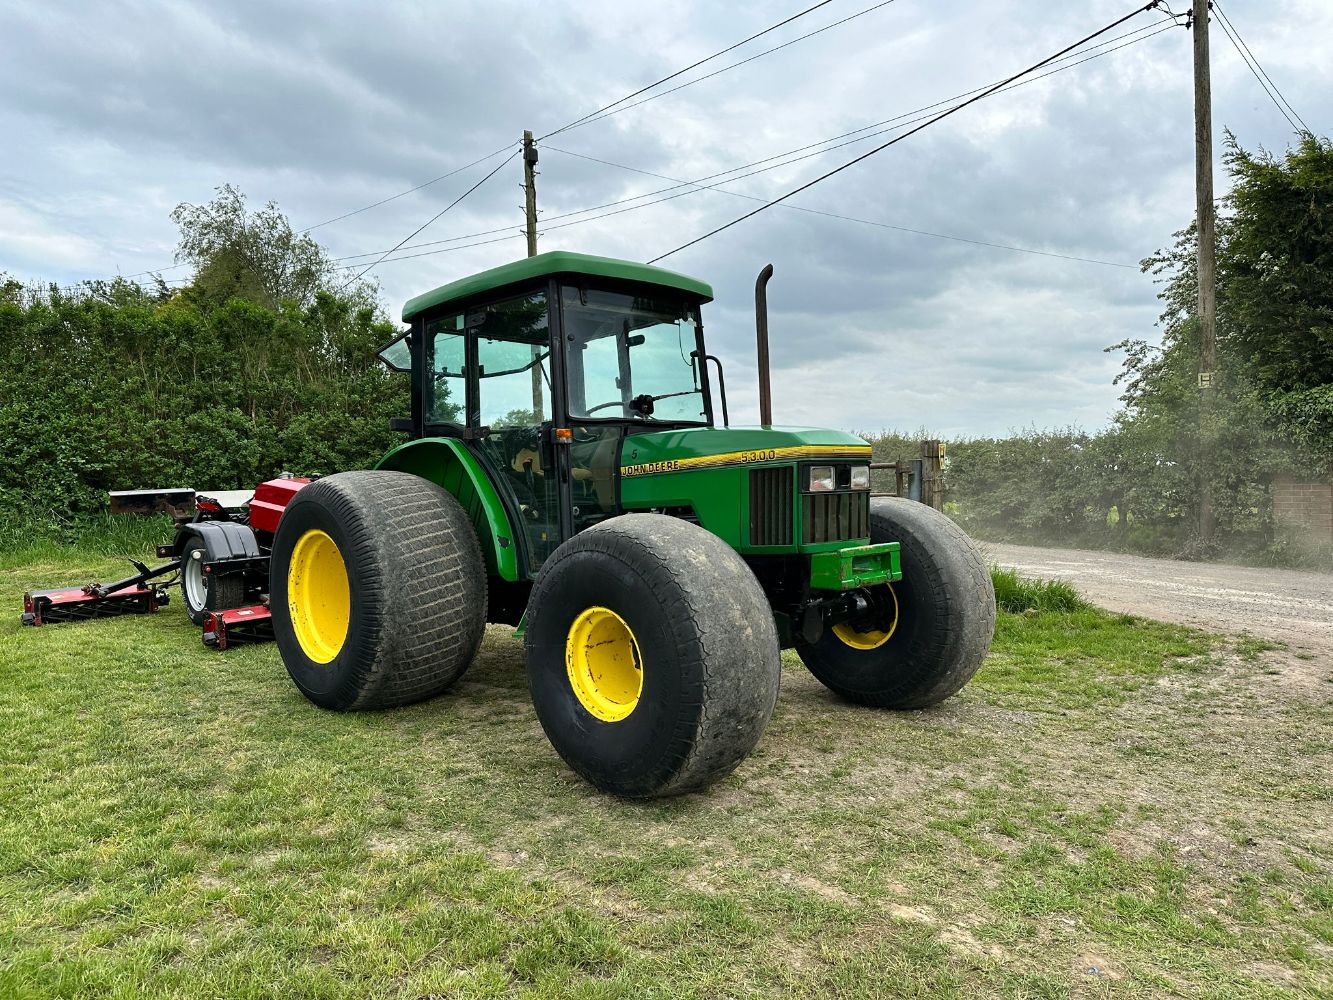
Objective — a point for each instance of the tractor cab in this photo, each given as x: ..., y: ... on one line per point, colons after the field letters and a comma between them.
x: 543, y: 367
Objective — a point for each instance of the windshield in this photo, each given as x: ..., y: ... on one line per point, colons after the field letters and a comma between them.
x: 632, y: 357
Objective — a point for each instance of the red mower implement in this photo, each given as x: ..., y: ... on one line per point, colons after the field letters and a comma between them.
x: 219, y: 556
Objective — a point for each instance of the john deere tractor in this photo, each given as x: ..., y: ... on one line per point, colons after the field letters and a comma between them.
x: 566, y: 474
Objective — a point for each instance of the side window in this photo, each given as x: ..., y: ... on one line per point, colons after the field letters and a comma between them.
x: 446, y: 386
x: 513, y: 362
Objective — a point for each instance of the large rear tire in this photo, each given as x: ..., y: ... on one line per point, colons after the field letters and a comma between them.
x: 377, y: 590
x: 936, y: 623
x: 652, y: 655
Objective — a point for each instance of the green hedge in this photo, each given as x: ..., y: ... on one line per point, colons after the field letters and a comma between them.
x: 122, y: 388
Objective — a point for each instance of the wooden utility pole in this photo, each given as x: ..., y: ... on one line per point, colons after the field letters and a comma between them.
x: 530, y: 190
x: 1207, y: 263
x: 530, y: 217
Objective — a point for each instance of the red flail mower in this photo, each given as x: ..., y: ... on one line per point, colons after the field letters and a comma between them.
x: 219, y: 557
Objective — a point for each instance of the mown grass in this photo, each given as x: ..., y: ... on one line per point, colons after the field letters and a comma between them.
x: 1112, y: 808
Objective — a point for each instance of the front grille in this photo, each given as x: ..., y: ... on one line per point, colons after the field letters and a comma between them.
x: 772, y: 499
x: 835, y: 517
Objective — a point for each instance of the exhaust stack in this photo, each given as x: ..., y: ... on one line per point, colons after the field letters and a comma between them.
x: 761, y: 337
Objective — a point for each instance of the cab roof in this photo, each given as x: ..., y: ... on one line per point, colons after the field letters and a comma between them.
x: 545, y: 265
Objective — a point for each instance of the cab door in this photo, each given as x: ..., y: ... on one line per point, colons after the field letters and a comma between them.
x: 510, y: 414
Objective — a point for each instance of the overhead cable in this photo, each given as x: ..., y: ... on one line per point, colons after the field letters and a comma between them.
x: 1260, y: 74
x: 683, y: 188
x: 371, y: 266
x: 924, y: 125
x: 881, y: 225
x: 694, y: 65
x: 598, y: 116
x: 400, y: 194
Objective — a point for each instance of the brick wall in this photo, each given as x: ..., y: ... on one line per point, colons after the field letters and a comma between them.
x: 1304, y: 507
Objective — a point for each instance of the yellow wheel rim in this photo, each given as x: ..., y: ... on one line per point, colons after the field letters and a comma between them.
x: 604, y: 665
x: 872, y: 639
x: 318, y: 596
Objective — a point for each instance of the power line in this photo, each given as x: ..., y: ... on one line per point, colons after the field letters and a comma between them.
x: 400, y: 194
x: 694, y: 65
x: 1252, y: 62
x: 924, y: 125
x: 431, y: 243
x: 1281, y: 110
x: 698, y: 184
x: 866, y: 222
x: 577, y: 121
x: 428, y: 253
x: 903, y: 120
x: 598, y: 116
x: 607, y: 110
x: 345, y: 215
x: 371, y: 266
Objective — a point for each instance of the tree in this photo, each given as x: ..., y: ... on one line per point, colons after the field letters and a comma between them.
x: 254, y: 256
x: 1276, y: 287
x: 1272, y: 391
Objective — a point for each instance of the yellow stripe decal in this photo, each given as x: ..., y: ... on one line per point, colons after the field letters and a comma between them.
x: 759, y: 455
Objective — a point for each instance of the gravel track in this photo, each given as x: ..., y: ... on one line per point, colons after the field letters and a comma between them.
x: 1283, y: 605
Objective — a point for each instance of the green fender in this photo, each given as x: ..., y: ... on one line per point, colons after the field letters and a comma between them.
x: 447, y: 462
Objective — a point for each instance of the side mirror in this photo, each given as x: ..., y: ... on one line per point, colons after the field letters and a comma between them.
x: 403, y: 424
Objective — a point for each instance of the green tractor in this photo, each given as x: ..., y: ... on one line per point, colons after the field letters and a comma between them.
x: 566, y: 474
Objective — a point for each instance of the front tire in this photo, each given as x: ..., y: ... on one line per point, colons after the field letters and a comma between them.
x: 930, y: 631
x: 652, y: 656
x: 377, y: 590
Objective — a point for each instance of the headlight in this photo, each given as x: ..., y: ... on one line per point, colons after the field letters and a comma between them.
x: 821, y: 479
x: 860, y: 477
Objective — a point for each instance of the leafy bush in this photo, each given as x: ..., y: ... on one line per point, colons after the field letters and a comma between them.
x: 123, y: 388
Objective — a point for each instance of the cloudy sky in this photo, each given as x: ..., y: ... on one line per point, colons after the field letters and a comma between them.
x: 115, y: 113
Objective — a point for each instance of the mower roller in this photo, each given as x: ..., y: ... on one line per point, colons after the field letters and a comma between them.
x: 134, y: 595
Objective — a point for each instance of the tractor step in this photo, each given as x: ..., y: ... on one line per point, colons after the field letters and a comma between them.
x: 87, y: 603
x: 238, y: 627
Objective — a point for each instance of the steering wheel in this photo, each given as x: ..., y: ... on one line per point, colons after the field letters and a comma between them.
x: 602, y: 406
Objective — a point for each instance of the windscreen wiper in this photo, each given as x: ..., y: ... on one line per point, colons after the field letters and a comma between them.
x: 643, y: 405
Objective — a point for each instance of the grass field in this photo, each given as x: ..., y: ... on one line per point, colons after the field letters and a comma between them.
x: 1112, y: 808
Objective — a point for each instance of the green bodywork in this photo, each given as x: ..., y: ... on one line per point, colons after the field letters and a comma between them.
x: 546, y: 265
x: 448, y: 463
x: 707, y: 468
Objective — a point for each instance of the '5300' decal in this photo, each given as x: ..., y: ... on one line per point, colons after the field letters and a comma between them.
x: 803, y: 451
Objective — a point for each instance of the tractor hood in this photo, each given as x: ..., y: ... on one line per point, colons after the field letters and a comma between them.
x: 696, y: 448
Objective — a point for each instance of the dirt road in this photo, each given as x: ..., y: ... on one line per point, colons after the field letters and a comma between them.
x: 1282, y: 605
